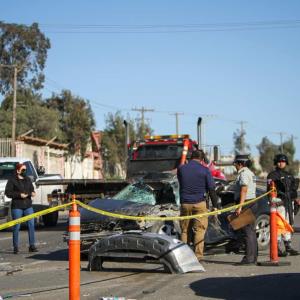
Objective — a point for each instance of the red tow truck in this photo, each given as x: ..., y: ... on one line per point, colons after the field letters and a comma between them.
x: 160, y: 153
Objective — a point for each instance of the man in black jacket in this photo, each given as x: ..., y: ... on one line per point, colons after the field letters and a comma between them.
x: 286, y: 187
x: 20, y: 189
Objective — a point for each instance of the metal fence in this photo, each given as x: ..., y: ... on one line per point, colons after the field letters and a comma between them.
x: 5, y: 147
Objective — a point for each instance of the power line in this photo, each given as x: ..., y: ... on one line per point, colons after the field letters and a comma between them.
x: 170, y: 28
x: 57, y: 86
x: 54, y: 84
x: 250, y: 23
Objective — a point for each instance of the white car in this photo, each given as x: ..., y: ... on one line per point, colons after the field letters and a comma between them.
x: 41, y: 200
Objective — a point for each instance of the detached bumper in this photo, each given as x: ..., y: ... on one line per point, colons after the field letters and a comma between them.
x: 88, y: 239
x: 176, y: 256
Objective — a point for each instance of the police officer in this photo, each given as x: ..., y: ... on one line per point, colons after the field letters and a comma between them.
x: 287, y: 191
x: 245, y: 189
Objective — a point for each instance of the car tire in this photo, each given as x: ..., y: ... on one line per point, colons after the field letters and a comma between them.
x: 50, y: 219
x: 262, y: 228
x: 170, y: 228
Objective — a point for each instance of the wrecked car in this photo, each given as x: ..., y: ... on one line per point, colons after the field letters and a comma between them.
x: 159, y: 196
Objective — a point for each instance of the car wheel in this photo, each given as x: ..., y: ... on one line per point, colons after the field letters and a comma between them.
x: 170, y: 228
x: 262, y: 227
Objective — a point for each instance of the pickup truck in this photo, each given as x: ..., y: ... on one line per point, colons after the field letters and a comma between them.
x: 43, y: 198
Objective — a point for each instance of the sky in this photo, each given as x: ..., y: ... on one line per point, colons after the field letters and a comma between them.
x: 224, y: 61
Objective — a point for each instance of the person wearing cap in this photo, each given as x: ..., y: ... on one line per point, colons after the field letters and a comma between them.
x: 195, y: 181
x: 286, y: 188
x: 245, y: 189
x: 20, y: 189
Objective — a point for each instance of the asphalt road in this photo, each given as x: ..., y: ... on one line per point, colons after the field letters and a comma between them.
x: 44, y: 275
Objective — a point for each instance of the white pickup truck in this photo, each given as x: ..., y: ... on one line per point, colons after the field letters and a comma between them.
x: 44, y: 193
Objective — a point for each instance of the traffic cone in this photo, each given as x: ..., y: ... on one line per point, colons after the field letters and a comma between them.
x: 274, y: 260
x: 74, y: 252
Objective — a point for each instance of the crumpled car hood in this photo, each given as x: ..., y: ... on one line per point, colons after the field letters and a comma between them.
x: 91, y: 221
x: 117, y: 206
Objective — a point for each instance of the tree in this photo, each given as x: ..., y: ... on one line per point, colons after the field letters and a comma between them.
x: 76, y: 120
x: 267, y: 150
x: 26, y: 48
x: 113, y: 142
x: 289, y: 150
x: 32, y: 114
x: 143, y: 129
x: 240, y: 145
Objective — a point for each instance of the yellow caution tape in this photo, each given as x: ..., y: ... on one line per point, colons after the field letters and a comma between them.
x: 127, y: 217
x: 156, y: 218
x: 34, y: 215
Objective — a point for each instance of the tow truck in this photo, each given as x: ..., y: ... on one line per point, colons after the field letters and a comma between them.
x: 161, y: 153
x: 157, y: 153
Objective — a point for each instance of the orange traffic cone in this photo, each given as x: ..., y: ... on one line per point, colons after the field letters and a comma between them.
x: 74, y: 252
x: 274, y: 260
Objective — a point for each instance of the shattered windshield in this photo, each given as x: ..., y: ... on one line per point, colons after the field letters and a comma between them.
x: 138, y: 192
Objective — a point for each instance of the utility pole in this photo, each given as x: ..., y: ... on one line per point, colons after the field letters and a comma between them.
x: 293, y: 138
x: 280, y: 133
x: 176, y: 114
x: 281, y: 142
x: 243, y: 146
x: 242, y: 125
x: 14, y: 108
x: 14, y: 116
x: 142, y: 110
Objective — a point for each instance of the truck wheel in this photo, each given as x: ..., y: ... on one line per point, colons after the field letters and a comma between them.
x: 50, y: 219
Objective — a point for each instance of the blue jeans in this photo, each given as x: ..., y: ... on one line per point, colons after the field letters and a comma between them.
x: 16, y: 214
